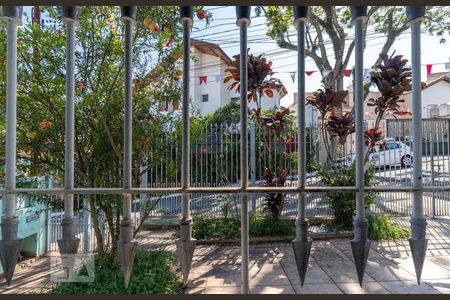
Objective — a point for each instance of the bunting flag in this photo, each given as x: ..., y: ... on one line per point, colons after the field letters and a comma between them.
x: 202, y: 79
x: 219, y: 78
x: 292, y: 76
x: 309, y: 72
x: 367, y: 75
x: 447, y: 66
x: 325, y: 73
x: 429, y: 66
x: 347, y: 73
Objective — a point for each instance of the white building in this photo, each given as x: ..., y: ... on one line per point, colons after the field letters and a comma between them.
x: 209, y: 63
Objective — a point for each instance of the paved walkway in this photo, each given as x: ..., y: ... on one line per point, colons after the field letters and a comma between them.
x: 216, y: 268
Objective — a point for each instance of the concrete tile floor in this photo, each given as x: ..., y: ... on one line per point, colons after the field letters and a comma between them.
x: 216, y: 268
x: 331, y: 270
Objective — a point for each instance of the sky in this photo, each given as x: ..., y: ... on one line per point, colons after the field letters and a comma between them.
x: 224, y: 32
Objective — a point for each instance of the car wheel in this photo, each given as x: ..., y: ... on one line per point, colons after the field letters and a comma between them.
x: 406, y: 161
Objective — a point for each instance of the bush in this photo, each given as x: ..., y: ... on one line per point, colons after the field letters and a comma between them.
x: 267, y: 226
x: 344, y: 204
x: 212, y: 228
x: 152, y: 274
x: 383, y: 228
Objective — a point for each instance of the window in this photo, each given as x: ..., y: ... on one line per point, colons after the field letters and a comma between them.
x: 205, y: 98
x: 391, y: 146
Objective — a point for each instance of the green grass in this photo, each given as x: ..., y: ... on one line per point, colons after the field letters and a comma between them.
x: 214, y: 228
x: 152, y: 274
x: 384, y: 228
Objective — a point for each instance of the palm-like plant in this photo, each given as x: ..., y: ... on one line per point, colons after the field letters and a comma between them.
x: 341, y: 125
x: 392, y: 79
x: 258, y: 69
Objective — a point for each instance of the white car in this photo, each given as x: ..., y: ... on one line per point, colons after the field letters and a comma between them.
x: 392, y: 153
x: 389, y: 153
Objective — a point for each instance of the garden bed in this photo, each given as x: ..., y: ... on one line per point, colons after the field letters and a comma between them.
x: 227, y: 230
x: 153, y: 273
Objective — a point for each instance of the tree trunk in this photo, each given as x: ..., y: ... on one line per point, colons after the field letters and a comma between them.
x: 95, y: 221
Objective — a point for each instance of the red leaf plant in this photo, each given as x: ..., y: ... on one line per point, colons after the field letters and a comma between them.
x: 392, y: 79
x: 258, y: 69
x: 341, y: 125
x: 274, y: 202
x: 373, y: 136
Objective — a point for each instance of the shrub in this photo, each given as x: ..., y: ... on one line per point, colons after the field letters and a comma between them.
x: 384, y: 228
x: 152, y: 274
x: 267, y: 226
x: 212, y: 228
x: 344, y: 204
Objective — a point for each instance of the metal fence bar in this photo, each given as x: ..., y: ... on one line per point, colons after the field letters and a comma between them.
x: 418, y: 240
x: 243, y: 21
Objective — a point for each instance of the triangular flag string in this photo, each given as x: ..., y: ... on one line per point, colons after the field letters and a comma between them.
x: 309, y: 72
x: 203, y: 79
x: 347, y: 72
x: 367, y: 74
x: 292, y: 76
x: 325, y: 73
x: 429, y: 66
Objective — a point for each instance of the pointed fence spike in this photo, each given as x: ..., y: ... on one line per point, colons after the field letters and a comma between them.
x: 9, y: 253
x: 418, y: 252
x: 360, y: 251
x: 185, y: 252
x: 127, y: 252
x: 302, y: 249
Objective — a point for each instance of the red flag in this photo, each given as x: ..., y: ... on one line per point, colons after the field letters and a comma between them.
x: 429, y: 66
x: 347, y: 73
x: 309, y: 72
x: 202, y: 79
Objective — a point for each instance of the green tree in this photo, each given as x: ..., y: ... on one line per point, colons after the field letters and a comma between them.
x: 99, y: 98
x: 332, y: 25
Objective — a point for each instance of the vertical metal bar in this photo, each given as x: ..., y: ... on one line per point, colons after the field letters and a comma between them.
x: 301, y: 137
x: 185, y: 119
x: 359, y: 116
x: 418, y: 241
x: 10, y: 244
x: 416, y: 118
x: 186, y: 245
x: 301, y: 245
x: 128, y: 132
x: 360, y: 244
x: 11, y: 108
x: 70, y: 118
x: 243, y: 21
x: 127, y: 247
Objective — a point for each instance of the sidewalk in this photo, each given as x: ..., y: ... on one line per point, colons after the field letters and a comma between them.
x: 216, y: 269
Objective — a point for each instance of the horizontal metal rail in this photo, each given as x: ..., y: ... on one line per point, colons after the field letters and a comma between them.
x: 225, y: 190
